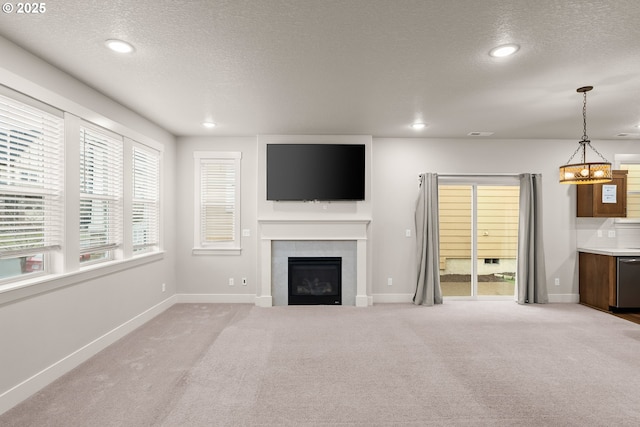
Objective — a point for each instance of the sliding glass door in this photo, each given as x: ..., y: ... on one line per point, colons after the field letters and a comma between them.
x: 478, y: 239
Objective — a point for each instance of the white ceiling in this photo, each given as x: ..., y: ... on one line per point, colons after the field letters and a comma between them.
x: 353, y: 66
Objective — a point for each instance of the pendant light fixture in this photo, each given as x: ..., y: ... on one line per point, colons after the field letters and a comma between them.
x: 584, y: 172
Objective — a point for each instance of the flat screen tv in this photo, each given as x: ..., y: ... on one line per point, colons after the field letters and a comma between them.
x: 306, y: 172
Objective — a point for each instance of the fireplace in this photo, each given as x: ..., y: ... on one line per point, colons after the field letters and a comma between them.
x: 315, y: 280
x: 283, y: 238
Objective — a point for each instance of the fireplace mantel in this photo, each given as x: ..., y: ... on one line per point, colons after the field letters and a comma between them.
x: 312, y: 229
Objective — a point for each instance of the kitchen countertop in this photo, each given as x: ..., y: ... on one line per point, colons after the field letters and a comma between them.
x: 612, y: 251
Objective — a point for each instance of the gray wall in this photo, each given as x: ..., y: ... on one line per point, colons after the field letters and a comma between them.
x: 38, y: 332
x: 207, y: 274
x: 396, y: 163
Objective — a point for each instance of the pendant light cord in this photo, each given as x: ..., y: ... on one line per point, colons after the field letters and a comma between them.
x: 584, y: 117
x: 585, y: 138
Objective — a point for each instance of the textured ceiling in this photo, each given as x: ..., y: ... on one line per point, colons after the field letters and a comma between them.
x: 353, y: 66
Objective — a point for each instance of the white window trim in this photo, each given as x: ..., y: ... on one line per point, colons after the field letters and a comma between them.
x: 16, y: 290
x: 63, y: 266
x: 157, y: 246
x: 52, y: 192
x: 116, y: 200
x: 619, y: 159
x: 226, y: 248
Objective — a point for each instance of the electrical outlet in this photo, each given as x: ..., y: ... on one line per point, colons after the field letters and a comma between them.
x: 612, y: 233
x: 231, y: 283
x: 164, y: 287
x: 244, y: 281
x: 246, y: 232
x: 407, y: 232
x: 557, y: 281
x: 599, y: 233
x: 389, y: 281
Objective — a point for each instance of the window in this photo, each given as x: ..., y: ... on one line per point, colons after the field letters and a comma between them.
x: 633, y: 189
x: 478, y: 236
x: 100, y: 194
x: 72, y: 194
x: 631, y: 163
x: 31, y: 182
x: 146, y: 199
x: 217, y: 197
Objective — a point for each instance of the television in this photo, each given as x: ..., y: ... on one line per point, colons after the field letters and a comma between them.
x: 306, y: 172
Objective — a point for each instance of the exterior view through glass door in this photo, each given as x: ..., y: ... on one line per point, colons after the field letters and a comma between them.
x: 478, y: 239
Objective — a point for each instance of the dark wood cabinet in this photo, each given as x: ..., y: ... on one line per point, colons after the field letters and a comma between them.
x: 597, y: 280
x: 590, y: 202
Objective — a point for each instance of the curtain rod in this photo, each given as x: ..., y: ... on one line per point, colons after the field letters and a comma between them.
x: 477, y: 174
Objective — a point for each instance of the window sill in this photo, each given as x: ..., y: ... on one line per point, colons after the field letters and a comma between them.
x: 627, y: 222
x: 216, y: 251
x: 40, y: 284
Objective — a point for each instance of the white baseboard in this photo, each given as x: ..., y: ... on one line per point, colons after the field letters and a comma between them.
x: 263, y: 301
x: 401, y: 298
x: 565, y: 298
x: 30, y: 386
x: 216, y: 298
x: 392, y: 298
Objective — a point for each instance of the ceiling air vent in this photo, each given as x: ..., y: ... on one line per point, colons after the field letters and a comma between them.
x: 480, y: 133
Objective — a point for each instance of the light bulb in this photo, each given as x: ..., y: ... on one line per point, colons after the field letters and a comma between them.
x: 119, y: 46
x: 504, y: 50
x: 584, y: 172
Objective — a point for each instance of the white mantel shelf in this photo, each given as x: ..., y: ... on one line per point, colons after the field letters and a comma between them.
x: 312, y: 229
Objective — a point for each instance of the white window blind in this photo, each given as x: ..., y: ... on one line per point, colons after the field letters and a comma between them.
x: 633, y: 188
x: 31, y: 179
x: 100, y: 191
x: 146, y: 199
x: 218, y: 213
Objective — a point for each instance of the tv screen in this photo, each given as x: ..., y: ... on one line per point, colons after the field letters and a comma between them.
x: 315, y: 172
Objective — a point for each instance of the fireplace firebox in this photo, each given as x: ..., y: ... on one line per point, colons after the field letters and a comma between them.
x: 315, y: 280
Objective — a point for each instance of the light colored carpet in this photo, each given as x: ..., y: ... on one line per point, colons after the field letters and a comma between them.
x: 464, y: 363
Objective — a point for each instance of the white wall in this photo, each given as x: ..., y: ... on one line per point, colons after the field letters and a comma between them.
x: 397, y: 163
x: 207, y: 276
x: 45, y: 334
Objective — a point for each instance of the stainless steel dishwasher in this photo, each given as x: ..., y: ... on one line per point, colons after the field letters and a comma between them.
x: 628, y: 286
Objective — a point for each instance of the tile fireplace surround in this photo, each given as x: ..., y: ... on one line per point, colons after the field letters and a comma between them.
x: 312, y: 230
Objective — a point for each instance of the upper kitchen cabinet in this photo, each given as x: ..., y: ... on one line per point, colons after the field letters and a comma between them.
x: 608, y: 200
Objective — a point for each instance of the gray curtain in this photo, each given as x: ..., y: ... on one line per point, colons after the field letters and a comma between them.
x: 531, y: 275
x: 428, y: 290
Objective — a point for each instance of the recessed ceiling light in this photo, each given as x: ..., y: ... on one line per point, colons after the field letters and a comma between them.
x: 119, y: 46
x: 480, y: 133
x: 209, y: 125
x: 418, y: 126
x: 504, y: 50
